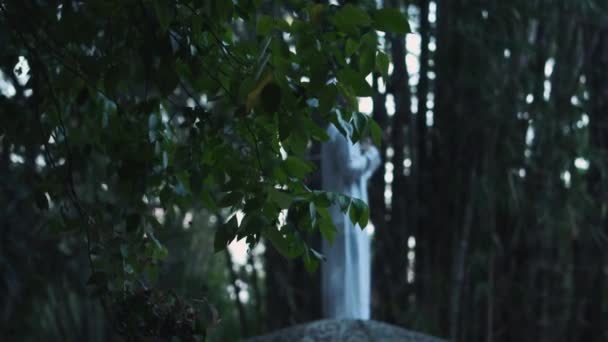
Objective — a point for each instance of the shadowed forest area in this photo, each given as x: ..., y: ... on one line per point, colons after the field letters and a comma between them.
x: 139, y: 138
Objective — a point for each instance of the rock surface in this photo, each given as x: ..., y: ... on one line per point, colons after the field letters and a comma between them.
x: 344, y: 331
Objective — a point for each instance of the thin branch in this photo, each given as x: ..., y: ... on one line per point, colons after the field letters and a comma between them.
x: 220, y: 43
x: 234, y: 98
x: 257, y: 151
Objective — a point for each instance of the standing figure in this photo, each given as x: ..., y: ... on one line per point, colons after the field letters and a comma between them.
x: 346, y: 281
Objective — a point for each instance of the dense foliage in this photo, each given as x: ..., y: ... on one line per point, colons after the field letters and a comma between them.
x: 167, y: 117
x: 120, y: 114
x: 490, y: 213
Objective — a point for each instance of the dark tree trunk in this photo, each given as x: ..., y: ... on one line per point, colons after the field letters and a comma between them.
x: 588, y: 313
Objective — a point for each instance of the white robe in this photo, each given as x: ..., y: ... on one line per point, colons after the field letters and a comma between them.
x: 345, y: 276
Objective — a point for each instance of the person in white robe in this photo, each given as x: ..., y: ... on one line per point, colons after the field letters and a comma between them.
x: 345, y: 274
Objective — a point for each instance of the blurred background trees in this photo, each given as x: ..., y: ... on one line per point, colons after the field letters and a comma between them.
x: 489, y: 213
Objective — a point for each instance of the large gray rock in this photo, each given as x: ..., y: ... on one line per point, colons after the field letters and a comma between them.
x: 344, y: 330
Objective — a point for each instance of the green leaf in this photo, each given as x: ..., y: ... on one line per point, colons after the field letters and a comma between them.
x: 283, y: 25
x: 327, y: 98
x: 367, y: 53
x: 391, y: 20
x: 359, y: 213
x: 208, y: 200
x: 297, y: 141
x: 231, y: 199
x: 354, y: 213
x: 255, y: 203
x: 322, y: 199
x: 350, y: 16
x: 285, y: 241
x: 282, y: 199
x: 359, y: 123
x: 252, y: 224
x: 376, y: 132
x: 316, y: 132
x: 296, y: 167
x: 271, y: 97
x: 327, y: 228
x: 264, y: 25
x: 364, y: 218
x: 224, y: 234
x: 356, y: 14
x: 367, y: 60
x: 351, y: 46
x: 356, y: 81
x: 382, y: 63
x: 350, y: 102
x: 343, y: 202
